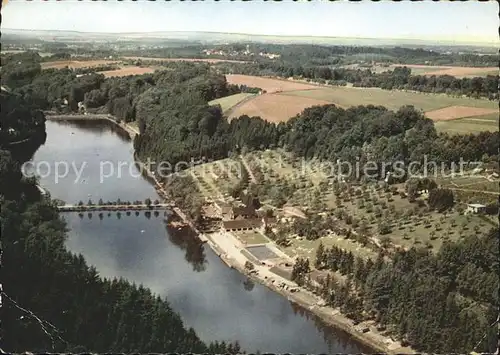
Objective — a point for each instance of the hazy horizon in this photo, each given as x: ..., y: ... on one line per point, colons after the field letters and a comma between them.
x: 458, y: 22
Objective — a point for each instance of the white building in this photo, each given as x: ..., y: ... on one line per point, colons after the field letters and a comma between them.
x: 475, y: 208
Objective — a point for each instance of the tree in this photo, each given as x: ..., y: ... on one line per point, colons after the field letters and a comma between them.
x: 300, y: 269
x: 147, y: 202
x: 441, y: 199
x: 249, y: 266
x: 320, y: 256
x: 384, y: 228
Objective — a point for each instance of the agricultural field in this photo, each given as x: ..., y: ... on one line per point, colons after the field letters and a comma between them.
x: 275, y: 107
x: 466, y: 125
x: 74, y: 64
x: 454, y: 112
x: 286, y: 99
x: 229, y: 102
x: 393, y: 100
x: 270, y: 85
x: 459, y: 72
x: 125, y: 71
x: 206, y: 60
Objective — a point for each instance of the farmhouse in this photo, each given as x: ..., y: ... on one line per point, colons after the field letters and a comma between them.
x: 244, y: 212
x: 224, y: 209
x: 475, y: 208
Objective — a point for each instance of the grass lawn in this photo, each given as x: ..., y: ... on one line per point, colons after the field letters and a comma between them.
x: 229, y: 101
x: 466, y: 125
x: 251, y: 237
x: 345, y: 96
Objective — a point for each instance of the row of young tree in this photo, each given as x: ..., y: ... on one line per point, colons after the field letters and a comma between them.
x: 442, y: 303
x: 52, y: 300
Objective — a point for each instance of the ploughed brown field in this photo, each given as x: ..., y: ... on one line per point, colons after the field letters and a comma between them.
x: 127, y: 71
x: 60, y: 64
x: 268, y: 84
x: 454, y: 112
x: 207, y: 60
x: 274, y: 107
x: 287, y: 98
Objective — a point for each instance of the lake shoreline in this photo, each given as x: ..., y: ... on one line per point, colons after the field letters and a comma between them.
x: 231, y: 255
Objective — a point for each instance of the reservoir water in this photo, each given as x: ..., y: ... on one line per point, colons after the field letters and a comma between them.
x: 218, y: 302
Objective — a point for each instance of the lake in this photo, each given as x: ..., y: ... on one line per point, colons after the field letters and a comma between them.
x: 217, y: 301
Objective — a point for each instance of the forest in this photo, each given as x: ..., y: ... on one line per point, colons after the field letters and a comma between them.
x: 52, y: 300
x: 313, y: 55
x: 438, y: 303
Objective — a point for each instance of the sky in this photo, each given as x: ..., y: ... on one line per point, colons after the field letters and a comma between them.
x: 469, y: 21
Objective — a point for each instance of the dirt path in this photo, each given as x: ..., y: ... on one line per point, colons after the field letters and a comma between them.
x: 479, y: 191
x: 230, y: 111
x: 247, y: 167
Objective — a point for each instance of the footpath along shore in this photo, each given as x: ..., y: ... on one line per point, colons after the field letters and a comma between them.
x: 230, y: 249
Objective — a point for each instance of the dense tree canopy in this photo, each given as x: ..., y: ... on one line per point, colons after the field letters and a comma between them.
x: 444, y: 303
x: 52, y: 300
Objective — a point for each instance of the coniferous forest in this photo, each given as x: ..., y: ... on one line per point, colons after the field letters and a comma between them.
x: 52, y: 300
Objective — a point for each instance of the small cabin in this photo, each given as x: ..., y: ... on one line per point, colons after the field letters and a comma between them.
x: 475, y: 208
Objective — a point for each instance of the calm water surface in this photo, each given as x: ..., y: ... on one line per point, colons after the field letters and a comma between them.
x: 218, y: 302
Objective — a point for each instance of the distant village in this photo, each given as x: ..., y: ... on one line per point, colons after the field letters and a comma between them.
x: 235, y: 53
